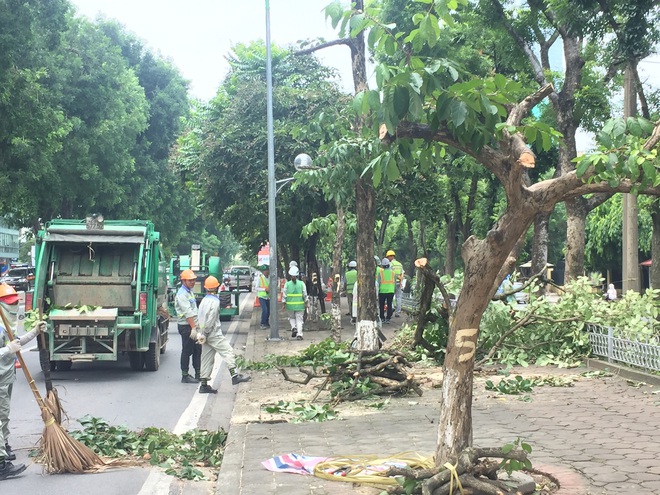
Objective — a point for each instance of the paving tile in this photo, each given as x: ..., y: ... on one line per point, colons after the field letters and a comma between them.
x: 599, y: 437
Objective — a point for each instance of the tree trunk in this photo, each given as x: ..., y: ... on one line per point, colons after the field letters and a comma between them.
x: 315, y: 289
x: 483, y: 260
x: 365, y: 205
x: 655, y: 246
x: 336, y: 277
x: 451, y: 246
x: 576, y: 221
x: 412, y: 247
x: 422, y: 241
x: 540, y: 244
x: 365, y: 210
x: 381, y: 235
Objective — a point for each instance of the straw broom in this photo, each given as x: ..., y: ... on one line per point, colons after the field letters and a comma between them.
x: 59, y: 452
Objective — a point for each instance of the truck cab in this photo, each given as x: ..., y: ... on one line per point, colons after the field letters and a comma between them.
x: 103, y: 286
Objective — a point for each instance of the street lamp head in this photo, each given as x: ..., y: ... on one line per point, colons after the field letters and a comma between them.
x: 302, y: 162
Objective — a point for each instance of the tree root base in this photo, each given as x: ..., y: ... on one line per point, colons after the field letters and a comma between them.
x: 473, y: 468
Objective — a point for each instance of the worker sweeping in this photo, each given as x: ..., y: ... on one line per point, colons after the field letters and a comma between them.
x: 9, y: 348
x: 212, y: 340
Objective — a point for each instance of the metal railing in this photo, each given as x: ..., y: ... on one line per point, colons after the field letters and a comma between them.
x: 409, y: 303
x: 604, y: 343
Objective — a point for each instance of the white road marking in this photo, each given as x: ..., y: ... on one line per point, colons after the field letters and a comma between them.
x: 158, y: 482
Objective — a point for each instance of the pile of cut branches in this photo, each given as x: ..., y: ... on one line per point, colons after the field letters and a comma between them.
x: 474, y: 470
x: 362, y: 374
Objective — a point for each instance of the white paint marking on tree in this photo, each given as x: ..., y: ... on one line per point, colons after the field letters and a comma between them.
x: 465, y: 339
x: 367, y: 335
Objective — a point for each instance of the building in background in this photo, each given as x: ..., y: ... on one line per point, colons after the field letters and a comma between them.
x: 8, y: 246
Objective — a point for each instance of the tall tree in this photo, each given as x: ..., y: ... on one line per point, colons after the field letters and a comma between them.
x: 535, y: 29
x: 227, y: 159
x: 424, y: 104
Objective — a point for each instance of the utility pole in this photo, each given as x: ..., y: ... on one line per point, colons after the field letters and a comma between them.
x: 630, y: 232
x: 272, y: 191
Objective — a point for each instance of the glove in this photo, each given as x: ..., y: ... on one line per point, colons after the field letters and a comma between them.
x: 14, y: 346
x: 201, y: 338
x: 40, y: 327
x: 193, y: 334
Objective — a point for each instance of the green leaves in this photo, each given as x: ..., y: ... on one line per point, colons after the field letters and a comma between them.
x: 178, y: 455
x: 302, y: 411
x: 621, y: 154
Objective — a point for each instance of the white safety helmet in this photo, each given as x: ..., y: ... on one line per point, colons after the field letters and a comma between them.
x: 293, y: 271
x: 385, y: 263
x: 293, y: 263
x: 352, y: 264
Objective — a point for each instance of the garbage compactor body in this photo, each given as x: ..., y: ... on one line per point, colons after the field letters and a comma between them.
x: 103, y: 287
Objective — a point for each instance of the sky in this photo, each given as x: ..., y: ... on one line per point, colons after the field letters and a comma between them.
x: 196, y: 35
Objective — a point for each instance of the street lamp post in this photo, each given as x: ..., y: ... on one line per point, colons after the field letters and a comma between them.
x: 272, y: 222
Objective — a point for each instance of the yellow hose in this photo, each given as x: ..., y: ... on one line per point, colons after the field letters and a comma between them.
x: 355, y: 468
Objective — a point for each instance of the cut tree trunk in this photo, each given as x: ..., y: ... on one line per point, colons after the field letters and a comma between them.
x: 483, y: 260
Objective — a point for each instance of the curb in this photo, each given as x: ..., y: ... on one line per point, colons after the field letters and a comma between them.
x: 231, y: 469
x: 623, y: 371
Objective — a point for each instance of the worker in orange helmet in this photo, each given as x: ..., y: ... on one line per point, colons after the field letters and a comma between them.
x: 8, y: 349
x: 212, y: 340
x: 186, y: 312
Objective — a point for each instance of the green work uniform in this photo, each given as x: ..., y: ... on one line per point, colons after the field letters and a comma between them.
x: 294, y: 296
x: 386, y: 281
x: 264, y: 283
x: 398, y: 270
x: 351, y: 278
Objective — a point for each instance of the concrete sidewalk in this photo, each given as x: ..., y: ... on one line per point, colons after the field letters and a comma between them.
x: 599, y: 436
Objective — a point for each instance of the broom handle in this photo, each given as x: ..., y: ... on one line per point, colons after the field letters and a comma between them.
x: 43, y: 351
x: 33, y: 386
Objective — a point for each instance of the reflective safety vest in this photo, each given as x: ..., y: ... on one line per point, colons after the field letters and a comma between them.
x: 386, y: 281
x: 351, y: 278
x: 398, y: 270
x: 294, y: 296
x: 263, y: 284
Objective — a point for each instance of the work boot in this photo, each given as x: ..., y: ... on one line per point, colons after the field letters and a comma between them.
x: 188, y: 379
x: 299, y: 337
x: 207, y: 389
x: 239, y: 378
x: 10, y: 453
x: 8, y: 470
x: 294, y: 332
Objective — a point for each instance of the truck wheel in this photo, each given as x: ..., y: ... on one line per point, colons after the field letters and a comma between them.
x: 163, y: 336
x: 152, y: 356
x: 136, y: 359
x: 63, y: 365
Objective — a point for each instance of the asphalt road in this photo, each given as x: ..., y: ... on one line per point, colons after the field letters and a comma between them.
x: 115, y: 393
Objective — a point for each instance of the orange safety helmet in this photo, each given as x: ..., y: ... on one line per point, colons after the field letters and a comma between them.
x: 211, y: 283
x: 188, y: 275
x: 8, y: 294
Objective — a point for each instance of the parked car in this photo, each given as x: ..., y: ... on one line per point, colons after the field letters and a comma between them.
x: 19, y: 277
x: 240, y: 277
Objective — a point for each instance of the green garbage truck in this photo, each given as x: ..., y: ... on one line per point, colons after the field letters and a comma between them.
x: 103, y: 285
